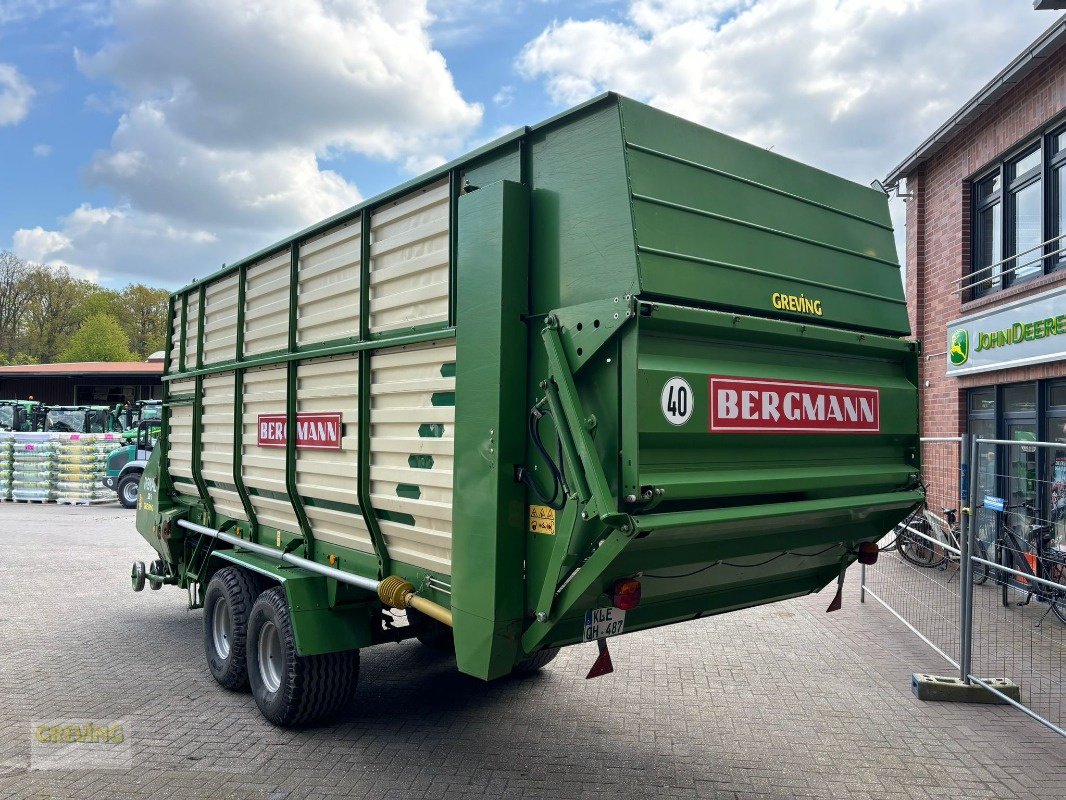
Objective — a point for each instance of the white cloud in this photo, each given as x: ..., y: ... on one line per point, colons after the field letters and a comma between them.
x: 132, y: 245
x: 42, y: 150
x: 15, y: 95
x: 848, y: 85
x: 504, y: 97
x: 229, y: 111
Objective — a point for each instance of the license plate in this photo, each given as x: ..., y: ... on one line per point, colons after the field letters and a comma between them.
x: 603, y: 622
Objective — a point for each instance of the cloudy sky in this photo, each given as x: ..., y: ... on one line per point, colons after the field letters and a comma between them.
x: 153, y: 140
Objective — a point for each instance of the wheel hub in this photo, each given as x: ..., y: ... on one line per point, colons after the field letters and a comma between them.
x: 270, y: 658
x: 221, y: 629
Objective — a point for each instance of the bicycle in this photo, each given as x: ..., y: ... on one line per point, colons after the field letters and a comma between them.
x: 927, y: 540
x: 1034, y: 557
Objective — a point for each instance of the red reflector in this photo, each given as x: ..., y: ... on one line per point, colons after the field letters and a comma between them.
x: 627, y: 594
x: 868, y: 553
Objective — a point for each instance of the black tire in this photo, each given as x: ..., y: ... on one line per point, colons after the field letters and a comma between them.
x: 307, y: 689
x: 127, y: 489
x: 918, y: 551
x: 228, y: 602
x: 430, y: 633
x: 1013, y: 560
x: 536, y: 662
x: 979, y: 571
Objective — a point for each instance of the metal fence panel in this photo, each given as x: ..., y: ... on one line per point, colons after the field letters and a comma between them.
x: 987, y: 592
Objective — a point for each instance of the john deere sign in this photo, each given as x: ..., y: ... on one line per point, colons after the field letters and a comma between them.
x: 1030, y: 331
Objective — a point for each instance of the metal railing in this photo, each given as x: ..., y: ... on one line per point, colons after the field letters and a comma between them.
x: 987, y: 589
x: 972, y: 280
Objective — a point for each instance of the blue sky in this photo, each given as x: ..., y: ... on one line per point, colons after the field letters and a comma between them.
x: 143, y: 140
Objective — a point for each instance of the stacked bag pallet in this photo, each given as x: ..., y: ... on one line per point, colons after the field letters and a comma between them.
x: 80, y: 463
x: 33, y: 467
x: 5, y: 465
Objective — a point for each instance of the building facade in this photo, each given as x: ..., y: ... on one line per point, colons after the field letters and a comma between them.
x: 986, y: 267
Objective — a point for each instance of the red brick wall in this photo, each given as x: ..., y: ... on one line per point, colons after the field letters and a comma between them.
x: 938, y: 241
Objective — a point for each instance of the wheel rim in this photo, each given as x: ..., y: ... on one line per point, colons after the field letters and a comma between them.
x: 221, y: 629
x: 270, y: 656
x: 129, y: 492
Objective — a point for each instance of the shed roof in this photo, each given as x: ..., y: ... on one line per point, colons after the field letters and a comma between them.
x: 85, y: 368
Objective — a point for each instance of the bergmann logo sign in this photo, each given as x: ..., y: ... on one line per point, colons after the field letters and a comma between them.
x: 959, y: 351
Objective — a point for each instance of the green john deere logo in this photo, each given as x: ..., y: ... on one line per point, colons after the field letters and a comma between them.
x: 959, y: 352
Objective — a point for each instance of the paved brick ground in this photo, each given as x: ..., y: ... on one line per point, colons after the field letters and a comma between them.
x: 779, y: 702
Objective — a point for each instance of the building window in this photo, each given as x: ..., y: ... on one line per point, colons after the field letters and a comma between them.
x: 1019, y: 215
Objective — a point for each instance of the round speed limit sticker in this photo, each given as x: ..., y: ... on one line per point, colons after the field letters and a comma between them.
x: 677, y: 401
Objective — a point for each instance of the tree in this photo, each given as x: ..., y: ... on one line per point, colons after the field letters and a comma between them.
x: 100, y: 338
x: 52, y: 310
x: 144, y: 316
x: 14, y: 292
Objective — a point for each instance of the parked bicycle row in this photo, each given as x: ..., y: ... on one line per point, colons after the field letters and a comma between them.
x: 1026, y: 555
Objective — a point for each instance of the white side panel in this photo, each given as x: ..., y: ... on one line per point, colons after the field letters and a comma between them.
x: 180, y: 437
x: 411, y: 451
x: 266, y: 305
x: 264, y: 467
x: 175, y: 336
x: 332, y: 385
x: 329, y: 285
x: 409, y: 260
x: 216, y: 440
x: 191, y: 332
x: 220, y: 321
x: 324, y: 385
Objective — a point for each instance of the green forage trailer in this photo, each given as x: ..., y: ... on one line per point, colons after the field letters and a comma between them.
x: 611, y: 372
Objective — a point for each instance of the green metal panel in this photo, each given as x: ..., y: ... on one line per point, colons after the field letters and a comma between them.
x: 292, y: 385
x: 238, y: 411
x: 582, y: 237
x: 722, y: 222
x: 366, y: 507
x: 490, y: 389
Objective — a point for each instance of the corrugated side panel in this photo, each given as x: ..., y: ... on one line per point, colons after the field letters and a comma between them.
x: 220, y: 321
x: 175, y: 335
x: 328, y: 477
x: 409, y: 260
x: 266, y: 305
x: 180, y: 436
x: 216, y: 440
x: 411, y: 452
x: 329, y: 285
x: 263, y: 468
x: 191, y: 331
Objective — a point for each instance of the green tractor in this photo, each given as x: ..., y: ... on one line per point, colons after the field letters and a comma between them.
x: 21, y: 416
x: 126, y: 417
x: 80, y: 419
x: 122, y: 472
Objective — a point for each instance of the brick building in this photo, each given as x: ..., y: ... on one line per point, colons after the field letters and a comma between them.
x: 986, y: 263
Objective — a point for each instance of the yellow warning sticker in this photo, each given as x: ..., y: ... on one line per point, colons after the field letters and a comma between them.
x: 542, y: 520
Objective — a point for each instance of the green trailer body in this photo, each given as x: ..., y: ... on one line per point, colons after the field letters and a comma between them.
x: 704, y: 338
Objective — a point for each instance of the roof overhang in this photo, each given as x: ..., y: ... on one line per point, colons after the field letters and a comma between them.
x: 1014, y: 73
x: 81, y: 369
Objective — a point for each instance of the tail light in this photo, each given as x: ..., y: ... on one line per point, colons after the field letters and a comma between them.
x: 868, y: 552
x: 626, y: 594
